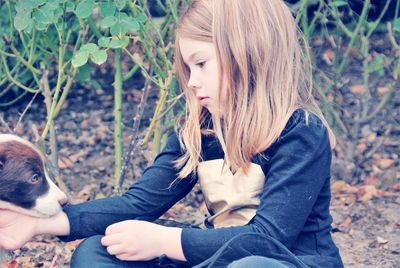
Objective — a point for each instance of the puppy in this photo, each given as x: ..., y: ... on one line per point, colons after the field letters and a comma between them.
x: 25, y: 186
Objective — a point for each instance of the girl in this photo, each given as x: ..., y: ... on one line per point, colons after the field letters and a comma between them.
x: 252, y: 136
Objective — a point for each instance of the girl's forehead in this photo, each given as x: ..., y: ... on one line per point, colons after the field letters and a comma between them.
x: 191, y: 47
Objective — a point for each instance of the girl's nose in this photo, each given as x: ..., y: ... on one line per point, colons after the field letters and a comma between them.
x: 193, y: 83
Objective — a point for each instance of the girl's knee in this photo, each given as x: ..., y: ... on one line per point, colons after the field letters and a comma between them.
x: 89, y: 253
x: 92, y: 254
x: 257, y: 262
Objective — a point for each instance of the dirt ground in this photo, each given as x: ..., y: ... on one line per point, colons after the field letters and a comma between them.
x: 366, y: 192
x: 366, y: 217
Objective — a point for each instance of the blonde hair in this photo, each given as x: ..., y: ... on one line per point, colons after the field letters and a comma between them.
x: 262, y: 65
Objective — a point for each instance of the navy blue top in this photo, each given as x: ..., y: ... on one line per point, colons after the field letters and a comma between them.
x: 293, y: 212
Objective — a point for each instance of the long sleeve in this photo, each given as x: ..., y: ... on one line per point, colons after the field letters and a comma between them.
x: 296, y: 172
x: 147, y: 199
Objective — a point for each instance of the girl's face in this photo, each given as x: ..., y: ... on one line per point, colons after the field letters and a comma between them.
x: 200, y: 57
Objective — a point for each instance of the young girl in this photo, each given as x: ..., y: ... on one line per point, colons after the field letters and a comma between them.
x: 252, y: 136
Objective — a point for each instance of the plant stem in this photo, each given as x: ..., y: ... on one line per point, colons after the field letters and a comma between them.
x: 118, y: 115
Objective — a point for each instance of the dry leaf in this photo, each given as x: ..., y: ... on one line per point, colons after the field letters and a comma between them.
x: 65, y: 162
x: 361, y: 147
x: 368, y: 192
x: 74, y: 244
x: 10, y: 264
x: 328, y: 56
x: 136, y: 95
x: 381, y: 240
x: 371, y: 137
x: 372, y: 180
x: 84, y: 194
x: 346, y: 223
x: 383, y: 90
x: 337, y: 186
x: 357, y: 89
x: 396, y: 186
x: 385, y: 163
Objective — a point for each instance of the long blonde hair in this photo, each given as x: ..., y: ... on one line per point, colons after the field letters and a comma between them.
x: 261, y: 63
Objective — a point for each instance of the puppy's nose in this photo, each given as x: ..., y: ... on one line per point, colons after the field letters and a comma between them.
x: 62, y: 199
x: 59, y: 195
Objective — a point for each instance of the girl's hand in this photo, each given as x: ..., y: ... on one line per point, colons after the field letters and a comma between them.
x: 15, y: 229
x: 135, y: 240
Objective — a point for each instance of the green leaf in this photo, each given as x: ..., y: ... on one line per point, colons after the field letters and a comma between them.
x: 141, y: 17
x: 22, y: 20
x: 80, y: 58
x: 70, y: 7
x: 377, y: 64
x: 117, y: 43
x: 131, y: 24
x: 339, y: 3
x: 104, y: 42
x: 52, y: 5
x: 107, y: 9
x: 58, y: 13
x: 40, y: 26
x: 99, y: 57
x: 25, y: 5
x: 89, y: 47
x: 120, y: 4
x: 43, y: 15
x: 84, y: 9
x: 108, y: 21
x: 396, y: 25
x: 83, y: 75
x: 40, y: 2
x: 118, y: 29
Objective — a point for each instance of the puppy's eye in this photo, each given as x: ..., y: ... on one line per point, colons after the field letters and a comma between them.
x: 34, y: 179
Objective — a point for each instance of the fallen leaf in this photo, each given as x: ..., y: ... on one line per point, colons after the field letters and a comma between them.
x: 396, y: 186
x: 371, y: 137
x: 346, y: 223
x: 372, y: 180
x: 337, y: 186
x: 357, y: 89
x: 368, y: 192
x: 84, y: 194
x: 385, y: 163
x: 381, y: 240
x: 361, y: 147
x: 65, y: 162
x: 10, y: 264
x: 383, y: 90
x: 328, y: 56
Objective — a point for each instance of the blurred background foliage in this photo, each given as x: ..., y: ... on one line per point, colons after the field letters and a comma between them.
x: 50, y: 47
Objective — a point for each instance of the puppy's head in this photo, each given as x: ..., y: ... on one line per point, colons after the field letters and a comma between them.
x: 25, y: 186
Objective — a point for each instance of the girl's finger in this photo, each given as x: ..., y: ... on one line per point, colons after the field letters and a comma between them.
x: 126, y: 257
x: 111, y: 239
x: 116, y: 249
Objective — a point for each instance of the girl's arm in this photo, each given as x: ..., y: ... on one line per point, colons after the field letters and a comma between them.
x: 147, y: 199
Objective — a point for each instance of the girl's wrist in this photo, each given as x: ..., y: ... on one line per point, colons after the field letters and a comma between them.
x: 56, y: 225
x: 171, y: 243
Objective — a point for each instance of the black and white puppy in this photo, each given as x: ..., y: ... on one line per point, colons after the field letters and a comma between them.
x: 25, y: 186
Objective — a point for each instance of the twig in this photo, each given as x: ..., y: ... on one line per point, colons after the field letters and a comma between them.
x: 25, y: 110
x: 378, y: 144
x: 135, y: 135
x: 4, y: 123
x: 53, y: 163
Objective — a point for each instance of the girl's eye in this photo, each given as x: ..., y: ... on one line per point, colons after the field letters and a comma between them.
x: 34, y: 179
x: 201, y: 64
